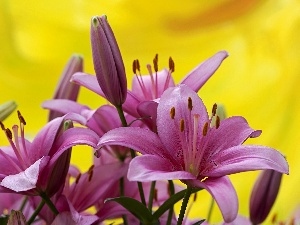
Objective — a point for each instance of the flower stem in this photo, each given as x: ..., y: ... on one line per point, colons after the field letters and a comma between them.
x: 36, y: 212
x: 124, y: 217
x: 132, y: 153
x: 185, y: 201
x: 48, y: 201
x: 171, y: 210
x: 212, y: 203
x: 151, y: 195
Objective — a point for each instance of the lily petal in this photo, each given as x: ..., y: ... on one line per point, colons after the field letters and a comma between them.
x: 224, y: 193
x: 25, y: 180
x: 246, y: 158
x: 87, y: 80
x: 198, y: 77
x: 128, y: 136
x: 152, y: 167
x: 64, y: 106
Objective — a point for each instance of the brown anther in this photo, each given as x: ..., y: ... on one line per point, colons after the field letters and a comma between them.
x: 2, y: 126
x: 8, y: 133
x: 91, y: 168
x: 134, y: 66
x: 91, y: 172
x: 155, y: 63
x: 138, y: 65
x: 181, y: 126
x: 274, y: 218
x: 90, y: 175
x: 195, y: 197
x: 190, y: 103
x: 218, y: 122
x: 77, y: 178
x: 214, y: 109
x: 205, y: 129
x: 172, y: 112
x: 21, y: 118
x: 171, y: 65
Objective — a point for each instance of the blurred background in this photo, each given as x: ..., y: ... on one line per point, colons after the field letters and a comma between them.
x: 259, y: 80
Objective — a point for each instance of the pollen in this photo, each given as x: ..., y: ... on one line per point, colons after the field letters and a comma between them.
x: 155, y: 63
x: 21, y: 118
x: 214, y: 109
x: 190, y: 103
x: 205, y: 129
x: 172, y: 113
x: 181, y: 125
x: 171, y: 65
x: 218, y: 122
x: 8, y: 133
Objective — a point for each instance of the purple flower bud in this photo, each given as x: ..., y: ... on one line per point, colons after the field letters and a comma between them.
x: 65, y: 89
x: 263, y: 195
x: 108, y: 63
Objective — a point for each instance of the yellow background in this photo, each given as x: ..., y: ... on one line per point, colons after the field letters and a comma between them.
x: 259, y: 80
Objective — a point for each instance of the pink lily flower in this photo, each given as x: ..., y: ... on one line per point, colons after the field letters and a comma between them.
x: 188, y: 148
x: 151, y: 87
x: 27, y: 167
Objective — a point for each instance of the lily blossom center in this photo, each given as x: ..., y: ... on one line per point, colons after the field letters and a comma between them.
x: 193, y: 138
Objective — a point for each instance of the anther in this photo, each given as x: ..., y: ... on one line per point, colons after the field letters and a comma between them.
x: 205, y: 129
x: 8, y: 133
x: 155, y: 63
x: 171, y: 65
x: 77, y: 178
x: 138, y: 65
x: 195, y: 197
x: 21, y: 118
x: 91, y: 172
x: 214, y: 109
x: 172, y: 112
x: 2, y: 126
x: 134, y: 66
x: 190, y: 104
x: 181, y: 125
x: 218, y: 122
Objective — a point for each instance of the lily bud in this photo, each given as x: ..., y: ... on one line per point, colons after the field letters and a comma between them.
x: 16, y: 218
x: 6, y: 109
x: 108, y: 63
x: 263, y: 195
x: 66, y: 89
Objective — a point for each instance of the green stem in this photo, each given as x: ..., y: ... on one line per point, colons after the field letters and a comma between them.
x: 132, y: 153
x: 212, y: 203
x: 124, y: 217
x: 48, y: 201
x: 184, y: 203
x: 36, y: 212
x: 171, y: 210
x: 23, y: 203
x: 151, y: 195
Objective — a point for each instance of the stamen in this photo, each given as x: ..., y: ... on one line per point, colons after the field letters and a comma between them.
x: 155, y: 63
x: 172, y: 112
x: 171, y: 65
x: 2, y: 126
x: 8, y: 133
x: 138, y: 65
x: 91, y: 172
x: 205, y: 129
x: 214, y: 109
x: 134, y: 67
x: 218, y: 122
x: 195, y: 197
x: 21, y: 118
x: 190, y: 104
x: 181, y: 126
x: 154, y: 86
x: 77, y: 178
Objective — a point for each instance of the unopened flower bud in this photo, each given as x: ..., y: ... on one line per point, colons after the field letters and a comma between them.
x: 16, y: 218
x: 108, y: 63
x: 263, y: 195
x: 65, y: 89
x: 6, y: 109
